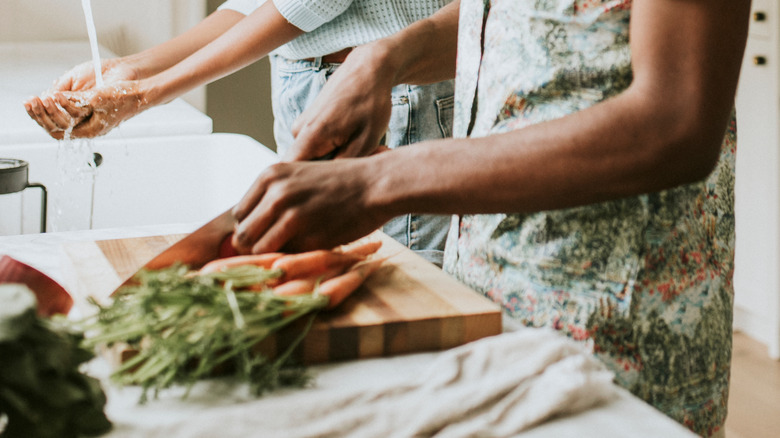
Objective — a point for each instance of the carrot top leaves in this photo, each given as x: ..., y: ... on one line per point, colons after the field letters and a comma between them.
x: 184, y: 327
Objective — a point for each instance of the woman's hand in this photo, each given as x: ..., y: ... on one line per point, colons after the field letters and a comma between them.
x: 82, y: 76
x: 87, y: 114
x: 50, y: 116
x: 65, y: 105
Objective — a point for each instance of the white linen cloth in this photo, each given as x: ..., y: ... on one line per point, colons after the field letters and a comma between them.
x: 495, y: 387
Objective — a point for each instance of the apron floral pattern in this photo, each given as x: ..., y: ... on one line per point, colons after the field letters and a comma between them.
x: 646, y: 281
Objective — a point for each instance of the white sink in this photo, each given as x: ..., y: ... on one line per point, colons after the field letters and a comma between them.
x: 141, y: 181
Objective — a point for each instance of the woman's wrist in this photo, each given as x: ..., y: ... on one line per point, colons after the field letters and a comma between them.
x: 143, y: 64
x: 149, y: 92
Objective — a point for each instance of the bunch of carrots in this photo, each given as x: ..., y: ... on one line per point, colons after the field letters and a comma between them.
x: 180, y: 325
x: 331, y: 273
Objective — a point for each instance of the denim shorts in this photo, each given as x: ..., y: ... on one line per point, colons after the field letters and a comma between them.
x: 419, y: 113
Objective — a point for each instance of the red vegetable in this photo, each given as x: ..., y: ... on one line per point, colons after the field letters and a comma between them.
x: 52, y: 298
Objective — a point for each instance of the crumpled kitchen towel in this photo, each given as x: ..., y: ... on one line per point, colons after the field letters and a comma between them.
x: 494, y: 387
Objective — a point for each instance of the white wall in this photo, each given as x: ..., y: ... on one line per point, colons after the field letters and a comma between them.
x: 123, y: 26
x: 757, y: 197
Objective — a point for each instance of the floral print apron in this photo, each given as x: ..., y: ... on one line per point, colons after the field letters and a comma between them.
x: 645, y: 281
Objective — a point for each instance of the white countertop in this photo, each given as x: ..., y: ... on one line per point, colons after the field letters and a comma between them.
x: 624, y: 416
x: 28, y: 69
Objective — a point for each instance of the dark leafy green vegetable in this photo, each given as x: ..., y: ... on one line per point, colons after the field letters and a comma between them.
x: 42, y: 392
x: 184, y: 326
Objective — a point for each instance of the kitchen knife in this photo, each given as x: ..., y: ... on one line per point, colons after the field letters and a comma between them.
x: 209, y: 242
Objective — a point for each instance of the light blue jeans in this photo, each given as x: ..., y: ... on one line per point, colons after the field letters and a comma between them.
x: 419, y: 113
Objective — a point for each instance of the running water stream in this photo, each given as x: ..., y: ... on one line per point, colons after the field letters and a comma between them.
x: 74, y: 200
x: 87, y: 6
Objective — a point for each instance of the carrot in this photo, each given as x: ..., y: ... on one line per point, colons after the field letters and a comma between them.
x: 364, y: 248
x: 296, y: 287
x: 339, y: 288
x: 313, y: 263
x: 307, y: 285
x: 220, y: 265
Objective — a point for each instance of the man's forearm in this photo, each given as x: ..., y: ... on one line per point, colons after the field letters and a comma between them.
x: 665, y: 130
x: 424, y: 52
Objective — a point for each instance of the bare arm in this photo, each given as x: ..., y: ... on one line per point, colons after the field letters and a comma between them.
x: 153, y: 60
x: 244, y: 43
x: 128, y: 68
x: 167, y: 54
x: 424, y: 52
x: 224, y: 43
x: 664, y: 130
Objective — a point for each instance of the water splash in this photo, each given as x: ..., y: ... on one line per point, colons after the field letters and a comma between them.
x: 74, y: 192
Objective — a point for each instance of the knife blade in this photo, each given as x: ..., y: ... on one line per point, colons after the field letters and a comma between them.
x: 207, y: 243
x: 195, y: 249
x: 199, y: 247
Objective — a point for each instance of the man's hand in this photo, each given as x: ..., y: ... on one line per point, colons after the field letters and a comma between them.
x: 350, y: 115
x: 299, y: 206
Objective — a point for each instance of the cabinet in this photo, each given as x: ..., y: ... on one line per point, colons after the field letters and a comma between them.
x: 757, y: 197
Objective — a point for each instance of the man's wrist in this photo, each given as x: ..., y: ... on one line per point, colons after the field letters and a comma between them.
x: 383, y: 60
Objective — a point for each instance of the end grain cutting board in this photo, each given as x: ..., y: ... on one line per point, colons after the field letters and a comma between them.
x: 407, y: 306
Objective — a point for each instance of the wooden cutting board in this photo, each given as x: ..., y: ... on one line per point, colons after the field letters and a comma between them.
x: 407, y: 306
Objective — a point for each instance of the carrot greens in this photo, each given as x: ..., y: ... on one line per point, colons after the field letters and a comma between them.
x: 183, y: 327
